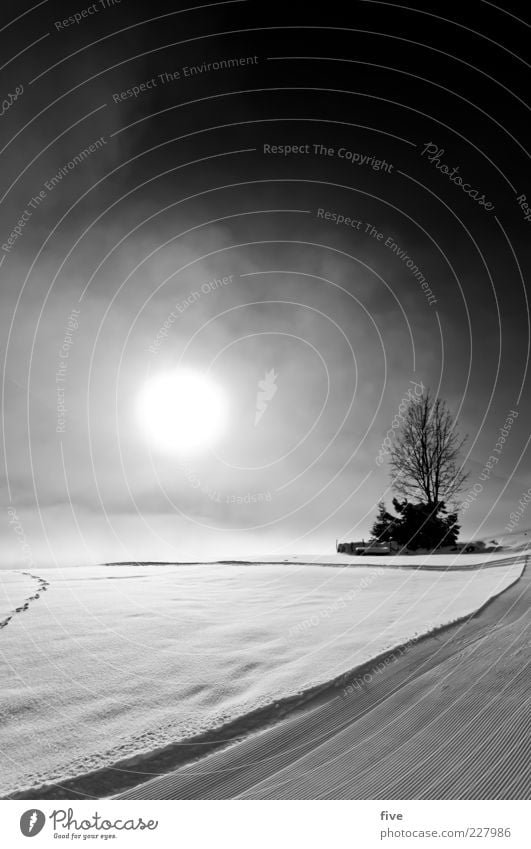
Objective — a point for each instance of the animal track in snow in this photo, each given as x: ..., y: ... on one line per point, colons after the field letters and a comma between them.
x: 43, y: 586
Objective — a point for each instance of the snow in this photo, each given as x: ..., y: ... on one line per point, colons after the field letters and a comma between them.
x: 15, y: 588
x: 425, y: 560
x: 115, y: 660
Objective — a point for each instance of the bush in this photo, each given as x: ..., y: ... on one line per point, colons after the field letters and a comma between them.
x: 417, y: 525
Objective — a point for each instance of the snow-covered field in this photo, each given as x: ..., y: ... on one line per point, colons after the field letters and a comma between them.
x: 115, y: 660
x: 15, y: 588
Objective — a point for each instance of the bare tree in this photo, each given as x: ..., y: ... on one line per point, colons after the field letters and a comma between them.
x: 425, y: 456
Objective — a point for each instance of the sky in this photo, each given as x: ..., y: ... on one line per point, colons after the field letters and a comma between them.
x: 238, y: 189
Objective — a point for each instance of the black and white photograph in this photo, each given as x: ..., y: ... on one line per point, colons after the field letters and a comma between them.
x: 266, y: 470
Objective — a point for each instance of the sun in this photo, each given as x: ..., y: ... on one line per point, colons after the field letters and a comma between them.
x: 182, y: 412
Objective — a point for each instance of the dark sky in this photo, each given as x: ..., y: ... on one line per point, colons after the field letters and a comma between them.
x: 187, y: 181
